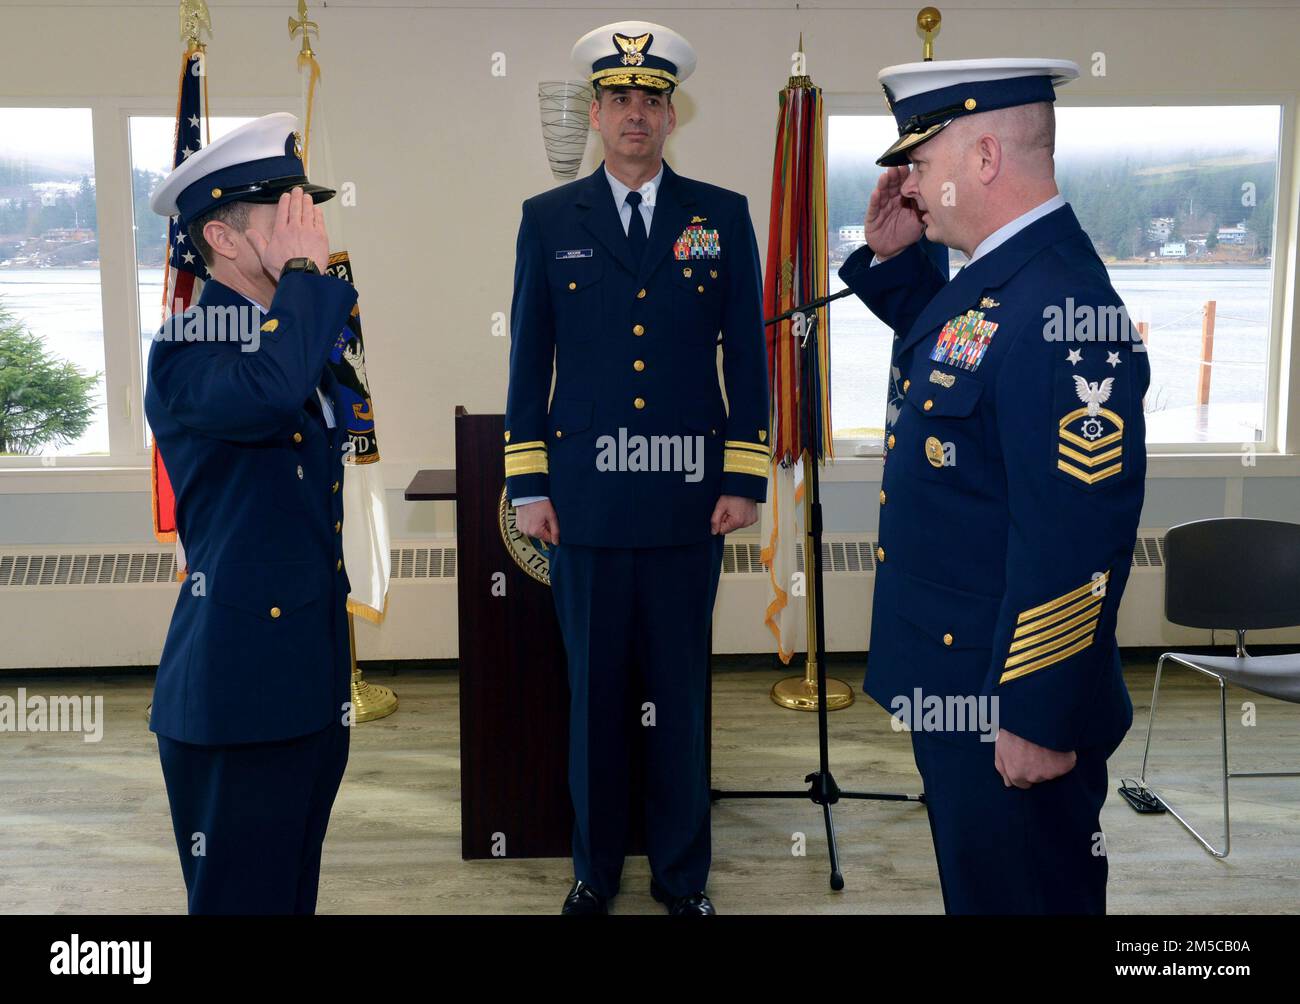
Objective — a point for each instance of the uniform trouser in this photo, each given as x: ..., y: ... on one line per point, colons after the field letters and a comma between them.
x: 261, y: 810
x: 621, y: 609
x: 1004, y: 850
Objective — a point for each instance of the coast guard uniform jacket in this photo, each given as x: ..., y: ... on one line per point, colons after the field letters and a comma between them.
x: 258, y: 644
x: 634, y: 350
x: 1013, y: 483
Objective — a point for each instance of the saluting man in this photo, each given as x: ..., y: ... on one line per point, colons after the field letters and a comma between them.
x: 1013, y: 482
x: 250, y: 705
x: 635, y: 470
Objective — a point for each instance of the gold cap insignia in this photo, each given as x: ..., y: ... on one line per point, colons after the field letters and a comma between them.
x: 631, y: 47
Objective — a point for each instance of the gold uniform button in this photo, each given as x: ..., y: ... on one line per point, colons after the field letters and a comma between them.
x: 275, y: 612
x: 638, y: 330
x: 559, y: 433
x: 335, y: 487
x: 970, y: 104
x: 338, y: 526
x: 890, y: 441
x: 947, y: 639
x: 906, y: 384
x: 882, y: 496
x: 880, y: 554
x: 338, y: 565
x: 713, y: 273
x: 216, y: 193
x: 573, y: 285
x: 699, y: 289
x: 640, y: 294
x: 639, y: 403
x: 507, y: 437
x: 639, y: 365
x: 928, y: 404
x: 297, y: 437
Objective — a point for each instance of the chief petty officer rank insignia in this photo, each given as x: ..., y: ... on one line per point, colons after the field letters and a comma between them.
x: 964, y: 340
x: 1090, y: 439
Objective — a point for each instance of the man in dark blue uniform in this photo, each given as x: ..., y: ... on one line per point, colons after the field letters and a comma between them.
x: 251, y: 702
x: 636, y: 471
x: 1013, y: 482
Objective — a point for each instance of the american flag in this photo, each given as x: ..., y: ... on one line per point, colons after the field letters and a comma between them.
x: 184, y: 272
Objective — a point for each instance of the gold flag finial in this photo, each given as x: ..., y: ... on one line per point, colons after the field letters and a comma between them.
x: 195, y: 20
x: 306, y: 27
x: 927, y: 19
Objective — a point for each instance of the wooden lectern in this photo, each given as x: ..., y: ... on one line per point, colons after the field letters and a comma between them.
x: 514, y: 692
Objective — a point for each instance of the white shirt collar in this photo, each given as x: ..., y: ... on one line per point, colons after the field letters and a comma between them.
x: 1003, y: 234
x: 647, y: 190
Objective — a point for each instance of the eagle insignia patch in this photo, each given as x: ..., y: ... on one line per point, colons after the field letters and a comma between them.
x: 1090, y: 439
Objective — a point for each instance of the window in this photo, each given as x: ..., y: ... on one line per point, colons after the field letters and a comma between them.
x: 51, y: 325
x: 1180, y: 204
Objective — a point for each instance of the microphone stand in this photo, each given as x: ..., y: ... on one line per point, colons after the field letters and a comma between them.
x: 822, y: 789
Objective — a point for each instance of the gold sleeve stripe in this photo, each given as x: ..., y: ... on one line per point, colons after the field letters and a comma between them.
x: 1040, y: 650
x: 743, y: 462
x: 536, y: 444
x: 531, y: 463
x: 1030, y: 639
x: 1062, y: 600
x: 1091, y: 479
x: 1065, y: 653
x: 1100, y: 458
x: 1038, y: 623
x: 737, y: 444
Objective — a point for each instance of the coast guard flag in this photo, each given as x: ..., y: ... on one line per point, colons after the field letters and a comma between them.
x: 183, y: 273
x: 365, y: 523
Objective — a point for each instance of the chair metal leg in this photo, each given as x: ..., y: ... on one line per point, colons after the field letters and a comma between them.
x: 1223, y: 742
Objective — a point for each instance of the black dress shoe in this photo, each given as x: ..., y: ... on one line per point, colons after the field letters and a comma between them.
x: 583, y: 899
x: 695, y: 905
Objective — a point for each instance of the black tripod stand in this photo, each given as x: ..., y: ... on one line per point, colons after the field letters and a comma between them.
x: 822, y: 789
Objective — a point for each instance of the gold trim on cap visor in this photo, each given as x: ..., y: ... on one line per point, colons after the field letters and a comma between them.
x: 651, y: 77
x: 909, y: 140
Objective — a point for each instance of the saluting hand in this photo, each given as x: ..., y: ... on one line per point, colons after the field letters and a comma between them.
x: 892, y: 221
x: 299, y: 233
x: 1023, y: 764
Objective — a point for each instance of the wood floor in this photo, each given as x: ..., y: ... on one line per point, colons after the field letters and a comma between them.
x: 85, y: 828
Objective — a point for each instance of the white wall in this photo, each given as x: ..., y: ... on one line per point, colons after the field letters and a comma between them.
x: 442, y: 153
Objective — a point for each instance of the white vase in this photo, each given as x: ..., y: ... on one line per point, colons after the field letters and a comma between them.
x: 563, y: 105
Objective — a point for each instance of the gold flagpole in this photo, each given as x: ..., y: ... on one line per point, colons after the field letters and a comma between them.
x: 370, y: 701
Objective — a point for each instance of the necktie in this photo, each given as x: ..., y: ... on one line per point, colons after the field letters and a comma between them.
x: 636, y: 235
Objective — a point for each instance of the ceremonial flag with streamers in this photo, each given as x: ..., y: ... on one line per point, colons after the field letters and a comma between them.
x: 183, y: 269
x: 365, y: 529
x: 796, y: 273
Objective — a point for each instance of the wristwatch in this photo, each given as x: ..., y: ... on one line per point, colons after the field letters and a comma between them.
x: 299, y: 265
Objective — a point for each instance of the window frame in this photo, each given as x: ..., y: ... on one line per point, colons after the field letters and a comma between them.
x: 1282, y: 386
x: 127, y: 465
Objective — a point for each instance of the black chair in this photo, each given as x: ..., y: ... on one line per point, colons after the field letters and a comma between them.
x: 1238, y: 574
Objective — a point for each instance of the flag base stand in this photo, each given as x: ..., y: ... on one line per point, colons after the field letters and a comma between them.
x: 799, y: 693
x: 370, y: 701
x: 822, y: 789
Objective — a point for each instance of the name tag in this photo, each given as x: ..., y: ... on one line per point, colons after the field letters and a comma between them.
x: 575, y: 253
